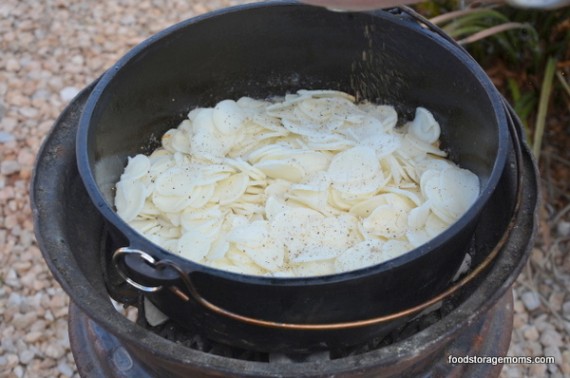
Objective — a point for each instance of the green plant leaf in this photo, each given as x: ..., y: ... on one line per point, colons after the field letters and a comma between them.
x: 543, y: 106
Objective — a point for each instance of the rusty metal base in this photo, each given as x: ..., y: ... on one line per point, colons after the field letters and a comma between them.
x: 98, y: 354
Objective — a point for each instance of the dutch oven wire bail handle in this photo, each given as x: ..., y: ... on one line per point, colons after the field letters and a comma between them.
x: 191, y: 293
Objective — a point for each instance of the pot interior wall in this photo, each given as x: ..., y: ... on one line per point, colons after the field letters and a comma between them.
x: 267, y: 51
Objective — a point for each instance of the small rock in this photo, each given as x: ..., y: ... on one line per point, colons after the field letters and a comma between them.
x: 537, y: 257
x: 18, y: 371
x: 535, y: 349
x: 8, y: 124
x: 566, y: 310
x: 542, y: 322
x: 11, y: 279
x: 10, y: 360
x: 520, y: 319
x: 26, y: 157
x: 28, y: 279
x: 32, y: 337
x: 12, y: 65
x: 565, y: 366
x: 565, y: 369
x: 531, y: 333
x: 8, y: 343
x: 537, y: 370
x: 553, y: 370
x: 24, y: 321
x: 54, y: 351
x: 551, y: 338
x: 14, y: 300
x: 552, y: 351
x: 563, y: 228
x: 26, y: 356
x: 41, y: 94
x: 65, y: 369
x: 28, y: 112
x: 9, y: 167
x: 77, y: 60
x: 555, y: 300
x: 153, y: 315
x: 38, y: 325
x: 57, y: 302
x: 518, y: 306
x: 49, y: 316
x: 509, y: 372
x: 38, y: 285
x: 128, y: 19
x: 531, y: 300
x: 68, y: 93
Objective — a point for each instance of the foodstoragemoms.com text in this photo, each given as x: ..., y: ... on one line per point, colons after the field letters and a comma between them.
x: 494, y: 360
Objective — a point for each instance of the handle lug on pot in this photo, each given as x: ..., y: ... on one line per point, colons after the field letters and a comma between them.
x: 121, y: 253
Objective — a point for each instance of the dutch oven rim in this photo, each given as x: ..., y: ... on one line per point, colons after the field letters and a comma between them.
x: 137, y: 240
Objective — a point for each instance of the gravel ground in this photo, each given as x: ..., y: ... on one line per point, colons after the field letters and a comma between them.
x: 51, y: 49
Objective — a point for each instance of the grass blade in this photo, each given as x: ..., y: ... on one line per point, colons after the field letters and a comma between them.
x: 543, y: 106
x: 563, y: 82
x: 492, y: 31
x: 442, y: 18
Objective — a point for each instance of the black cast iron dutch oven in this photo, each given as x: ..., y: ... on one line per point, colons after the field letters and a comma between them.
x: 267, y: 49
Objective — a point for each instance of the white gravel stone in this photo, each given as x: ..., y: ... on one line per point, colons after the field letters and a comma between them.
x: 26, y: 356
x: 64, y: 369
x: 563, y: 228
x: 531, y: 333
x: 535, y: 349
x: 554, y: 371
x: 19, y: 371
x: 12, y: 65
x: 566, y: 362
x: 8, y: 345
x: 153, y: 315
x: 556, y: 299
x: 28, y: 111
x: 553, y: 351
x: 551, y: 338
x: 566, y: 310
x: 68, y: 93
x: 8, y: 124
x: 14, y: 300
x: 54, y: 351
x: 24, y: 321
x: 6, y: 137
x: 531, y: 300
x: 32, y: 337
x: 9, y: 167
x: 10, y: 360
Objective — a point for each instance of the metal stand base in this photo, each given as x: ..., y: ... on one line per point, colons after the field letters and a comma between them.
x: 98, y: 354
